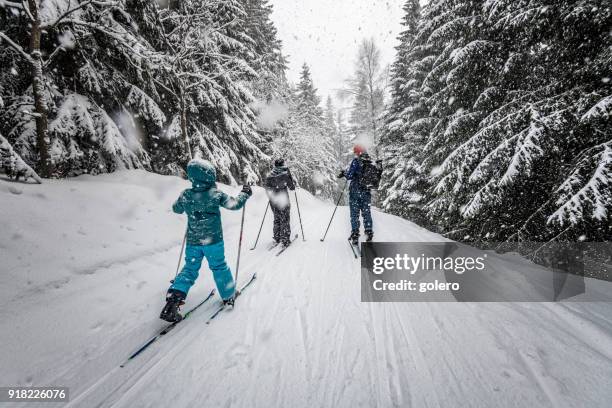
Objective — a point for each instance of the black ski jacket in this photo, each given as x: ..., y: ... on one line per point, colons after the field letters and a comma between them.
x: 279, y: 179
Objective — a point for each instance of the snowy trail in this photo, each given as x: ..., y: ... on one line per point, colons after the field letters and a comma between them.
x: 298, y: 337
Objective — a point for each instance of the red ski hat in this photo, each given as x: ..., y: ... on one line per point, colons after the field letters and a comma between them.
x: 358, y: 149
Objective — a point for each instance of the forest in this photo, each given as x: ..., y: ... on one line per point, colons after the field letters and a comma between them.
x: 499, y: 123
x: 493, y: 120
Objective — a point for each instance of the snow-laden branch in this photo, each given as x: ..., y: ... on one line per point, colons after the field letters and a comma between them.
x: 26, y: 8
x: 593, y: 195
x: 10, y: 4
x: 76, y: 8
x: 17, y: 48
x: 191, y: 20
x: 13, y: 164
x: 104, y: 30
x: 53, y: 55
x: 203, y: 78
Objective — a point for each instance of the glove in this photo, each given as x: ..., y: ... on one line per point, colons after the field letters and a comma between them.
x: 247, y: 190
x: 342, y: 174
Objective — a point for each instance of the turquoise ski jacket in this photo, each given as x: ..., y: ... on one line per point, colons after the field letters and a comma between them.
x: 202, y: 204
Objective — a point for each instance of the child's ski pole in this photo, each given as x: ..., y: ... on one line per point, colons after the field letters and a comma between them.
x: 261, y: 226
x: 240, y: 243
x: 178, y: 266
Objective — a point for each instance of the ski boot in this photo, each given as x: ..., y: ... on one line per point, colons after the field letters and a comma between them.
x: 230, y: 300
x: 354, y: 237
x: 369, y: 235
x: 174, y: 300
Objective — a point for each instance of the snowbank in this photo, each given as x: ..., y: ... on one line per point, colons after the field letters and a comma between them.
x: 86, y: 262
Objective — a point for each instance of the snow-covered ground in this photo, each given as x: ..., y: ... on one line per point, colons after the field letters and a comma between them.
x: 85, y: 263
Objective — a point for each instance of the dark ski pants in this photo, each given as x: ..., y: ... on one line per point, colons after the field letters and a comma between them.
x: 282, y: 226
x: 360, y: 202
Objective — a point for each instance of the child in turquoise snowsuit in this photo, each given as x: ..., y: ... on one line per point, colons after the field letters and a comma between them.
x: 202, y: 205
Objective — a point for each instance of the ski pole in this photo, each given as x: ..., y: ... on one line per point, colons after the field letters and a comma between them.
x: 334, y: 213
x: 261, y: 226
x: 297, y: 204
x: 240, y: 244
x: 178, y: 266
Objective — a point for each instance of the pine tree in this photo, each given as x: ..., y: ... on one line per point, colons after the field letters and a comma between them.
x: 308, y: 102
x: 208, y: 46
x: 171, y: 80
x: 270, y: 64
x: 509, y: 126
x: 339, y: 143
x: 91, y: 52
x: 404, y: 181
x: 402, y: 91
x: 305, y: 141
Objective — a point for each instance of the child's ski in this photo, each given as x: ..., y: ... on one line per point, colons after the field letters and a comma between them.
x: 223, y: 306
x: 355, y: 249
x: 285, y: 247
x: 166, y: 329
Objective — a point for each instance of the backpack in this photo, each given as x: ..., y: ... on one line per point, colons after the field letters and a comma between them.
x: 370, y: 175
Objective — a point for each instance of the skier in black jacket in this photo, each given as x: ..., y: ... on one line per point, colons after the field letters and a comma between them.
x: 277, y: 183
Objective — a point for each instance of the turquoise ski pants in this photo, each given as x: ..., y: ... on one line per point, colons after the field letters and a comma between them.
x: 215, y: 255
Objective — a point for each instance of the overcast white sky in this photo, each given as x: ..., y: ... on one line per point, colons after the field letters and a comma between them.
x: 325, y: 35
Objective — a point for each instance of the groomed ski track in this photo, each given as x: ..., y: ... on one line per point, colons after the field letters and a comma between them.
x: 299, y: 337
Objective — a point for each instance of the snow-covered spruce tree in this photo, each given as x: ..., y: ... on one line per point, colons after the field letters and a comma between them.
x: 270, y: 88
x: 461, y: 70
x: 518, y: 102
x: 339, y: 142
x: 539, y: 154
x: 125, y: 62
x: 207, y: 81
x: 269, y: 62
x: 67, y: 95
x: 304, y: 141
x: 405, y: 127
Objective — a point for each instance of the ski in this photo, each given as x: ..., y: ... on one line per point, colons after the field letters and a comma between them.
x: 285, y: 247
x: 355, y: 249
x: 166, y: 329
x: 223, y: 306
x: 272, y: 245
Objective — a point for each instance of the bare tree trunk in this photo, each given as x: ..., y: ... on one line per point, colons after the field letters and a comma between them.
x: 45, y: 167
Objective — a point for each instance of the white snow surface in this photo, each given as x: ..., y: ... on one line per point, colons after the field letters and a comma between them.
x: 86, y: 263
